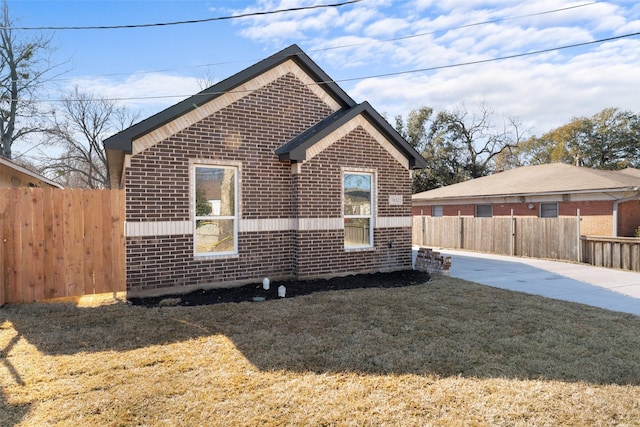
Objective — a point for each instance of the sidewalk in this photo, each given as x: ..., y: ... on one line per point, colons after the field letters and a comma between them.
x: 611, y: 289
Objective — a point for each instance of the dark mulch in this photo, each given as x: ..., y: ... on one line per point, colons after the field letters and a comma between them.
x: 293, y: 288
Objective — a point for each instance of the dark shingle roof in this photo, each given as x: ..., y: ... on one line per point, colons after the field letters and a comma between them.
x: 122, y: 140
x: 296, y: 149
x: 119, y: 144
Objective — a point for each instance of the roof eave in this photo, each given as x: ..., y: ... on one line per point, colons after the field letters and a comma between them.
x: 123, y: 140
x: 299, y: 153
x: 546, y: 193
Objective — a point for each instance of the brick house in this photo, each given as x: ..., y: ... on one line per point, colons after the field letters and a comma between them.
x: 609, y: 201
x: 274, y: 172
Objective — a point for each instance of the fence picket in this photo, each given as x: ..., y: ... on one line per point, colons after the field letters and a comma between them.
x: 60, y: 243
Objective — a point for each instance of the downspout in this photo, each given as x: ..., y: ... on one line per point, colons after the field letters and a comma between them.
x: 615, y: 208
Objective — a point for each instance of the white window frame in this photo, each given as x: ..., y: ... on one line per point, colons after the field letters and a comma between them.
x: 371, y: 215
x: 549, y: 203
x: 437, y: 211
x: 484, y: 216
x: 235, y: 217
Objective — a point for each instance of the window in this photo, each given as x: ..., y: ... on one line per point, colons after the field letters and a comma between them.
x: 484, y: 211
x: 215, y: 219
x: 436, y: 210
x: 548, y: 210
x: 358, y: 210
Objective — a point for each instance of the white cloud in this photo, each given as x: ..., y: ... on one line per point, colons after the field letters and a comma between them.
x: 148, y: 93
x: 543, y: 95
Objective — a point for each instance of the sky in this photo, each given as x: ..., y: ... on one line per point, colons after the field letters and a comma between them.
x: 398, y: 55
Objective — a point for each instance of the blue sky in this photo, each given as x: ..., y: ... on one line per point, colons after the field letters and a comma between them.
x: 355, y: 43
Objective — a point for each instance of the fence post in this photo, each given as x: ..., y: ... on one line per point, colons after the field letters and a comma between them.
x: 460, y: 237
x: 578, y: 233
x: 513, y: 234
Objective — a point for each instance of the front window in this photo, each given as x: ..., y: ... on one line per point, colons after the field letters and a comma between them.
x: 484, y: 211
x: 358, y: 210
x: 548, y: 210
x: 215, y: 219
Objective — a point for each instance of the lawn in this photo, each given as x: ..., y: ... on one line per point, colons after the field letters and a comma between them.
x: 447, y: 352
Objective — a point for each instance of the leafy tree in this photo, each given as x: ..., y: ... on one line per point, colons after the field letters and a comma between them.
x: 79, y: 129
x: 608, y: 140
x: 24, y: 67
x: 441, y: 160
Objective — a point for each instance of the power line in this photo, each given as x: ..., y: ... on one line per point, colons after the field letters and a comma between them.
x: 475, y: 24
x: 483, y: 61
x: 397, y: 73
x: 192, y: 21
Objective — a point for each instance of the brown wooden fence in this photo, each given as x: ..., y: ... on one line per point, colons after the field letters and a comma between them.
x: 60, y: 243
x: 552, y: 238
x: 612, y: 252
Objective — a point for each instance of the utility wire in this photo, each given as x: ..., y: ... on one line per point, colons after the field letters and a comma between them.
x: 475, y: 24
x: 193, y: 21
x: 398, y: 73
x: 483, y: 61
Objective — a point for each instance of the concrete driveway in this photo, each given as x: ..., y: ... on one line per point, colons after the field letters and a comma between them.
x: 615, y: 290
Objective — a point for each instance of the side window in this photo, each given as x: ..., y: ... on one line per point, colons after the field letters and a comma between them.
x: 358, y: 210
x: 484, y: 211
x: 436, y: 210
x: 215, y: 216
x: 548, y: 210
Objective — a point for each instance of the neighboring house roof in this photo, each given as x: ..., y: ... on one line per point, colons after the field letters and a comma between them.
x: 22, y: 171
x: 296, y: 150
x: 549, y: 179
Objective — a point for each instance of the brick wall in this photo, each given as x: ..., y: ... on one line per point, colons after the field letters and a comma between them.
x: 247, y: 132
x: 628, y: 218
x: 322, y: 252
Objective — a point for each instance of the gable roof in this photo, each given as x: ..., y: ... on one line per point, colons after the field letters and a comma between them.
x: 6, y: 163
x: 296, y: 149
x: 346, y: 108
x: 122, y: 140
x: 548, y: 179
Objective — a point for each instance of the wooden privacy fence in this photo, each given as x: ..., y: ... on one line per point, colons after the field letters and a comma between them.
x: 612, y: 252
x: 552, y: 238
x: 60, y: 243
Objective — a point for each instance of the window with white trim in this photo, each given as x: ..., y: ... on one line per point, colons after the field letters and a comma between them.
x: 215, y: 192
x: 436, y: 210
x: 549, y: 210
x: 484, y: 211
x: 358, y: 210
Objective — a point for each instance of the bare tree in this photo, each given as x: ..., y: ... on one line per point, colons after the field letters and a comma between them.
x: 79, y: 129
x: 475, y: 137
x: 25, y: 67
x: 207, y: 79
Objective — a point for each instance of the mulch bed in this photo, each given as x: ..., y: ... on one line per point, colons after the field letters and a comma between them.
x: 293, y: 289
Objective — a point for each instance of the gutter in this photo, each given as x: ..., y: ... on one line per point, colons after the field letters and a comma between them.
x: 547, y: 193
x: 615, y: 208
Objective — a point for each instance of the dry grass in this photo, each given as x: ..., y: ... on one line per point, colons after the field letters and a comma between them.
x: 444, y: 353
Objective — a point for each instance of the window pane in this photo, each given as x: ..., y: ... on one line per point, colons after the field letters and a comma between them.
x: 356, y: 232
x: 484, y: 211
x: 357, y: 194
x: 215, y: 191
x: 214, y: 236
x: 549, y: 210
x: 436, y: 211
